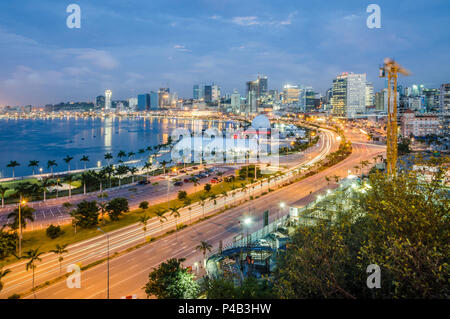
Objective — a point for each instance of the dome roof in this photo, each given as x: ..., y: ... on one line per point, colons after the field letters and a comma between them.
x: 260, y: 121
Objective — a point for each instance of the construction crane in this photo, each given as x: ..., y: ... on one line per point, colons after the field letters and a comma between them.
x: 391, y: 69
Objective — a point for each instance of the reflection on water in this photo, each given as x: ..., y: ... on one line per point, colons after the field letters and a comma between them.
x: 54, y: 138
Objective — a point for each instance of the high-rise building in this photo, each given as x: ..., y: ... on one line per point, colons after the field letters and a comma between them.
x: 252, y: 106
x: 259, y: 86
x: 100, y: 101
x: 108, y: 95
x: 236, y: 102
x: 431, y: 99
x: 207, y: 93
x: 381, y: 100
x: 196, y: 92
x: 132, y: 104
x: 215, y: 93
x: 444, y: 104
x: 444, y: 98
x: 306, y: 98
x: 291, y: 94
x: 154, y: 100
x: 339, y: 95
x: 164, y: 97
x: 349, y: 95
x: 369, y: 95
x: 143, y: 102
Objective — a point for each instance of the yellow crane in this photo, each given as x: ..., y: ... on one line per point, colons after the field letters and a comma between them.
x: 391, y: 69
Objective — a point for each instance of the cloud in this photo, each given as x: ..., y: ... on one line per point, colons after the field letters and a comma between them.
x: 99, y: 58
x: 245, y: 21
x: 254, y: 20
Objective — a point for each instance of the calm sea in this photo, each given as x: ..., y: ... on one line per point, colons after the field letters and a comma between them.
x: 23, y: 140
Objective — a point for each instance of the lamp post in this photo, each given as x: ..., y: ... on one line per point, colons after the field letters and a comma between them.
x: 21, y: 202
x: 282, y: 205
x: 107, y: 262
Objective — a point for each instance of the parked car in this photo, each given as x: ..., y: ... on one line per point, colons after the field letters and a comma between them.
x: 144, y: 182
x: 187, y: 180
x: 217, y: 179
x: 179, y: 183
x: 194, y: 167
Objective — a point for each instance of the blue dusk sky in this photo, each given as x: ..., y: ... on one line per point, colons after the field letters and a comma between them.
x: 133, y: 47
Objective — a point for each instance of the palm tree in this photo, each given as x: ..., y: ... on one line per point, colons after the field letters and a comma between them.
x: 67, y: 159
x: 73, y: 213
x: 144, y: 220
x: 84, y: 179
x: 133, y: 170
x: 3, y: 273
x: 141, y: 151
x: 13, y: 165
x: 336, y: 178
x: 164, y: 163
x: 175, y: 211
x: 50, y: 165
x: 108, y: 157
x: 120, y: 155
x: 100, y: 177
x: 33, y: 256
x: 33, y: 164
x: 225, y: 195
x: 102, y: 208
x: 130, y: 155
x: 3, y: 191
x: 213, y: 198
x: 69, y: 180
x: 120, y: 171
x: 84, y: 159
x: 26, y: 213
x: 147, y: 167
x: 204, y: 247
x: 109, y: 170
x: 60, y: 250
x: 328, y: 180
x: 203, y: 202
x: 196, y: 183
x: 46, y: 182
x: 160, y: 214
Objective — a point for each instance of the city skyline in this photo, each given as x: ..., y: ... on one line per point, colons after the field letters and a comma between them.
x: 226, y: 43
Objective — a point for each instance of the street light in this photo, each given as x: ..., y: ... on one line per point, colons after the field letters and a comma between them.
x: 21, y: 202
x: 107, y: 262
x: 282, y: 205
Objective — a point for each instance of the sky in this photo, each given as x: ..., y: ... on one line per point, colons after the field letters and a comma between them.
x: 133, y: 47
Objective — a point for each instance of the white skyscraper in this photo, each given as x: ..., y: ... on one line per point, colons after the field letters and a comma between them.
x: 236, y: 101
x: 370, y: 101
x: 356, y: 94
x: 215, y: 93
x: 132, y: 103
x: 108, y: 95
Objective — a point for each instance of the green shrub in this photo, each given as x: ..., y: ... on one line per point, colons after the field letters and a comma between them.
x: 54, y: 231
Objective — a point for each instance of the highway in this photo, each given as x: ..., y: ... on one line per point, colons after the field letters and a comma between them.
x: 52, y: 212
x: 129, y: 271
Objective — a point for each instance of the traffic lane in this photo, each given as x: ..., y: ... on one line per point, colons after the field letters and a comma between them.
x: 44, y: 267
x: 219, y: 228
